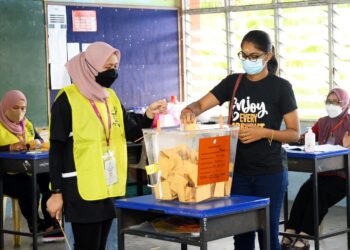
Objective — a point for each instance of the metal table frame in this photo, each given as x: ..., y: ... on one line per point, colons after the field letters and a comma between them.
x: 32, y: 163
x: 315, y: 163
x: 217, y: 218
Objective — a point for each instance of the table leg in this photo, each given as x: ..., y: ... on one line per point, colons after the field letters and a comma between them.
x: 1, y: 212
x: 184, y: 246
x: 35, y: 210
x: 316, y: 205
x: 266, y: 231
x: 285, y: 210
x: 347, y: 171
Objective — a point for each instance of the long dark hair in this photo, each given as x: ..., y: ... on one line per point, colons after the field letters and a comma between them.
x: 262, y: 41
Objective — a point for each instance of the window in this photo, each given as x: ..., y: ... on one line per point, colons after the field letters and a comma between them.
x: 311, y: 39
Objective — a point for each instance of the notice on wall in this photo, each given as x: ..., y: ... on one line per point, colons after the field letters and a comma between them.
x: 84, y: 21
x: 57, y: 33
x: 213, y: 159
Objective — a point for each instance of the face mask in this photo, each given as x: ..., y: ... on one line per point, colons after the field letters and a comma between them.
x: 106, y: 78
x: 253, y: 68
x: 333, y: 110
x: 15, y: 116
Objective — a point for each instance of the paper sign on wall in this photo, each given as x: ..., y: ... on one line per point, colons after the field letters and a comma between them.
x: 84, y: 21
x: 214, y: 157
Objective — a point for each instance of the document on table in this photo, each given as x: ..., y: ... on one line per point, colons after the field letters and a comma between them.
x: 318, y: 148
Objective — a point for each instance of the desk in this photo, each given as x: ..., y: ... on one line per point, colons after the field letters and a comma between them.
x: 217, y: 218
x: 33, y: 163
x: 314, y: 163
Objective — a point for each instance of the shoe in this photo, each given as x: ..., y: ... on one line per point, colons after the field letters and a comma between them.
x: 305, y: 245
x: 286, y: 242
x: 53, y: 237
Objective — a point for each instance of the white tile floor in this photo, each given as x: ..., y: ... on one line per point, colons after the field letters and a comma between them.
x: 334, y: 220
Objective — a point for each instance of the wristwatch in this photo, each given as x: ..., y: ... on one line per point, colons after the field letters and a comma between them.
x: 56, y: 191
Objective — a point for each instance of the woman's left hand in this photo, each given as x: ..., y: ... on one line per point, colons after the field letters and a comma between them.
x: 158, y: 107
x: 251, y: 133
x: 346, y: 140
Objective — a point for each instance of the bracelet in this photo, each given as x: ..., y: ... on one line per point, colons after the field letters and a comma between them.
x: 56, y: 191
x: 271, y: 138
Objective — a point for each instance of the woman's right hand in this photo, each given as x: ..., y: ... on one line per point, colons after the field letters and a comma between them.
x: 54, y: 206
x: 18, y: 146
x: 187, y: 116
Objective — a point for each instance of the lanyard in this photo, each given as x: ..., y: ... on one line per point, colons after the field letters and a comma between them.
x: 23, y: 132
x: 97, y: 112
x: 338, y: 125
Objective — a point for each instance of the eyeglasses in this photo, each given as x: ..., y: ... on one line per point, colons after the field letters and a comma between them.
x: 334, y: 102
x: 254, y: 57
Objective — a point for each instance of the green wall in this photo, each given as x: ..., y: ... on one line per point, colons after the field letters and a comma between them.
x: 22, y: 54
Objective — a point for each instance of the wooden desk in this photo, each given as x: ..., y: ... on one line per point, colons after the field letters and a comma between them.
x: 315, y: 163
x: 217, y: 218
x: 32, y: 163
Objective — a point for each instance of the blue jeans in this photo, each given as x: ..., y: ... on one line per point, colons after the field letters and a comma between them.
x: 112, y: 240
x: 272, y: 186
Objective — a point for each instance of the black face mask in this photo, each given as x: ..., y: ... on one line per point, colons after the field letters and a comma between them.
x: 106, y: 78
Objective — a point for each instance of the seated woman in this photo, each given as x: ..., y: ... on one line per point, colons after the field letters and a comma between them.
x: 18, y: 134
x: 331, y: 129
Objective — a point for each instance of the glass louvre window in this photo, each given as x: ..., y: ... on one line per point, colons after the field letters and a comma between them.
x: 248, y: 2
x: 304, y: 56
x: 196, y: 4
x: 342, y: 46
x: 241, y: 24
x: 206, y: 53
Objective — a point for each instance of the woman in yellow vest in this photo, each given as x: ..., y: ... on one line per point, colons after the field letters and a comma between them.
x: 88, y: 157
x: 17, y: 133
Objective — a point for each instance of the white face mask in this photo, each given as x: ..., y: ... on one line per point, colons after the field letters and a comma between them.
x: 333, y: 110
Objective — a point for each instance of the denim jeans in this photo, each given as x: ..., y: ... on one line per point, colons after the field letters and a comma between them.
x: 112, y: 240
x: 271, y: 186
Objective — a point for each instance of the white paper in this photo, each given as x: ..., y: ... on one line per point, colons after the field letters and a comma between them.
x: 318, y: 148
x: 72, y: 50
x: 328, y: 148
x: 84, y: 46
x: 57, y: 33
x: 59, y: 76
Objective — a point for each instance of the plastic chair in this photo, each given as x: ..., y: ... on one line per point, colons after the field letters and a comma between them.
x: 16, y: 219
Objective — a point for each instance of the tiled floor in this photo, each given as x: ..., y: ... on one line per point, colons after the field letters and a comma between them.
x: 334, y: 220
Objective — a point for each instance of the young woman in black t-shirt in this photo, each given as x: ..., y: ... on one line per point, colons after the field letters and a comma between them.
x: 259, y: 101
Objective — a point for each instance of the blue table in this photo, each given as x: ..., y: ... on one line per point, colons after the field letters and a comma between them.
x: 23, y: 162
x: 217, y: 218
x: 315, y: 163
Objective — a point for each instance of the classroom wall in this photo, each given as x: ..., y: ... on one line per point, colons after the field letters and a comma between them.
x: 23, y: 53
x: 152, y: 3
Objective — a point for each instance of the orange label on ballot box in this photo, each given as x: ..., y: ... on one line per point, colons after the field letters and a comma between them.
x: 214, y: 157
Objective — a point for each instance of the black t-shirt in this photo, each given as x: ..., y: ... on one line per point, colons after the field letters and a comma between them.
x: 61, y: 159
x: 261, y: 103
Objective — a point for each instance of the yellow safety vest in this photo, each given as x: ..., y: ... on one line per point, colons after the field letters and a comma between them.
x: 7, y: 137
x: 89, y: 144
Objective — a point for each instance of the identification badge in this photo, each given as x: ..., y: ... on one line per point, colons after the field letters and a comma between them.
x: 110, y: 168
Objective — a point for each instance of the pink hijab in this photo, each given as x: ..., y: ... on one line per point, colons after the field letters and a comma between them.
x: 326, y: 124
x: 85, y: 66
x: 9, y: 100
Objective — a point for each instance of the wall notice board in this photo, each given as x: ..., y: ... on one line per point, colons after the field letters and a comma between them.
x: 148, y: 41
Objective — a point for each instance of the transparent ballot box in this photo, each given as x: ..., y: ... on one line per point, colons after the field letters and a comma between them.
x: 191, y: 165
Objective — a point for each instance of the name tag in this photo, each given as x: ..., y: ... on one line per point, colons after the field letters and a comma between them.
x: 110, y: 168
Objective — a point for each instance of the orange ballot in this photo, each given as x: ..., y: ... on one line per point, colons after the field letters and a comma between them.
x: 213, y: 160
